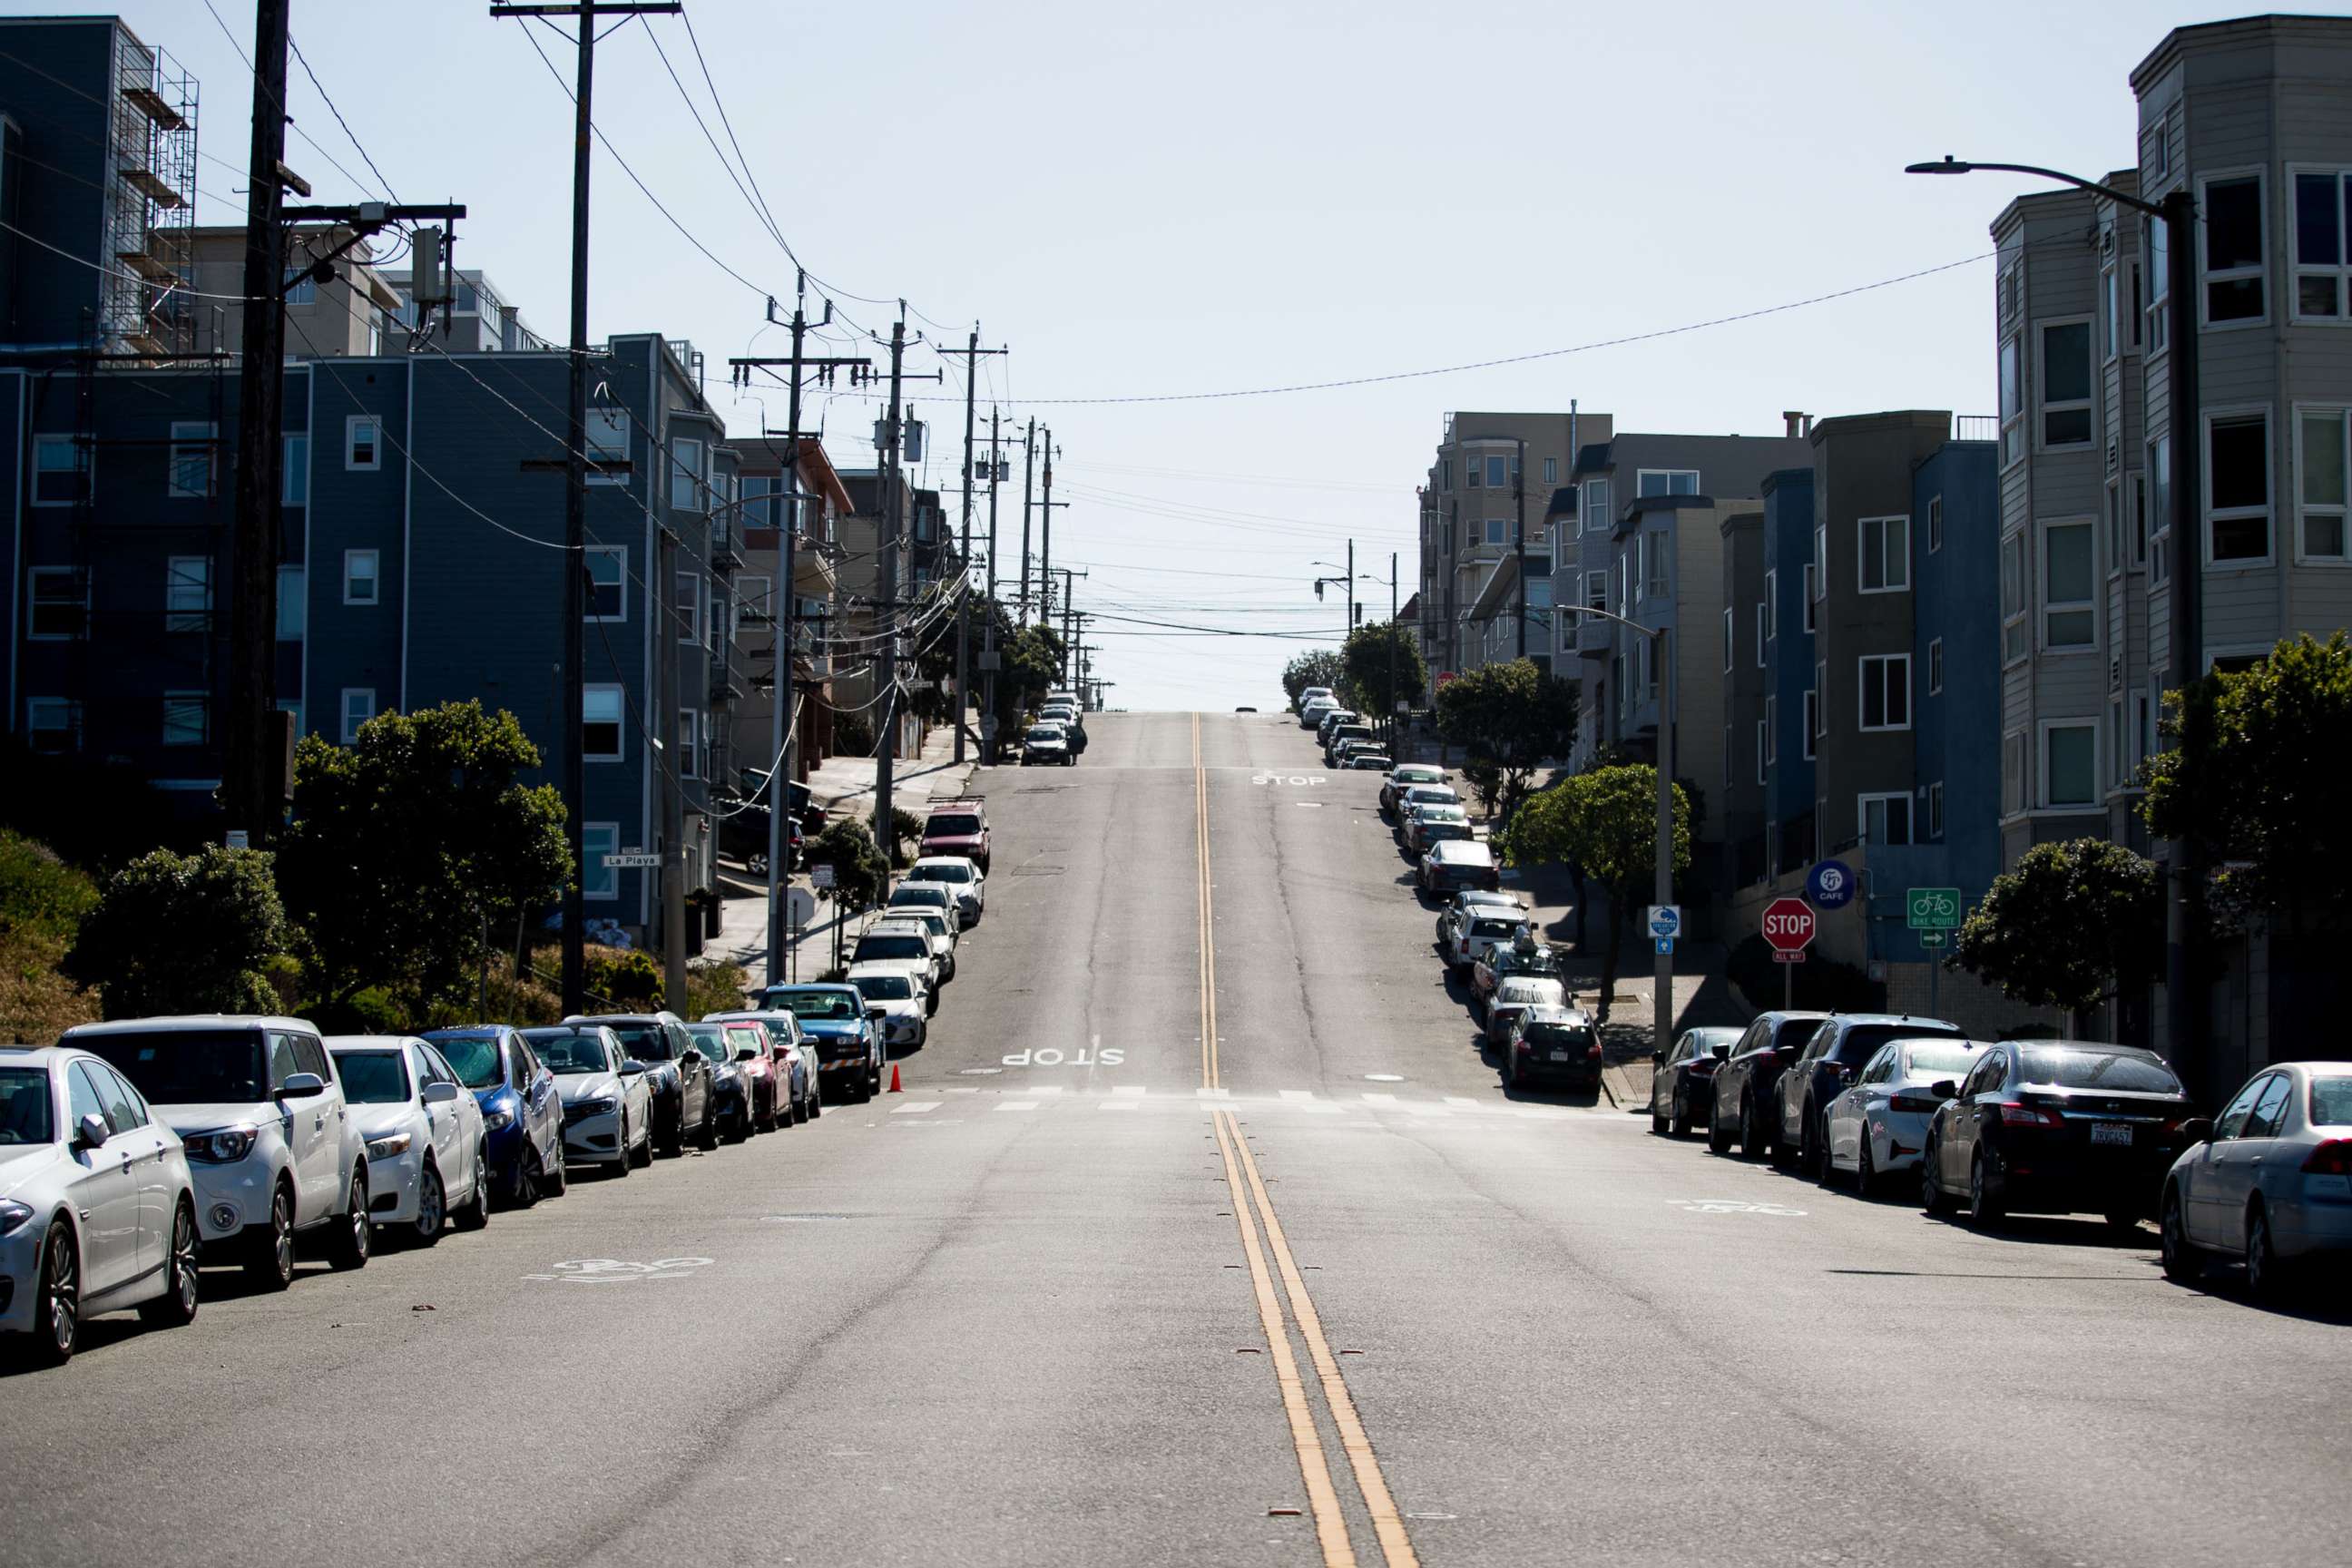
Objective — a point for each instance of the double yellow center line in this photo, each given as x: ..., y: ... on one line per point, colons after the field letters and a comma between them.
x: 1254, y: 1209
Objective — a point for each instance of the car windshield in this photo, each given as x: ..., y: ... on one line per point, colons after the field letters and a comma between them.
x: 24, y: 1106
x: 817, y: 1004
x: 1435, y: 812
x: 1435, y: 795
x: 1045, y: 733
x: 942, y: 873
x: 1932, y: 1062
x: 1493, y: 925
x: 883, y: 987
x: 928, y: 898
x: 473, y: 1057
x: 187, y: 1067
x: 873, y: 947
x: 1552, y: 1033
x: 568, y: 1050
x: 1527, y: 988
x: 2331, y: 1102
x: 2124, y: 1072
x: 711, y: 1040
x: 371, y: 1078
x: 1862, y: 1041
x: 642, y: 1042
x: 952, y: 824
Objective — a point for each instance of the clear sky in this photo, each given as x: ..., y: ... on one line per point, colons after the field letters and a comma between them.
x: 1148, y: 200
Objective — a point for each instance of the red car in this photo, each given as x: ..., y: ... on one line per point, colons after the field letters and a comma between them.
x: 958, y: 827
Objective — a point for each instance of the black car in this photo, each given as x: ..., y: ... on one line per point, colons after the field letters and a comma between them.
x: 2056, y: 1127
x: 1682, y: 1081
x: 678, y: 1075
x: 1741, y: 1110
x: 1554, y: 1045
x: 1839, y: 1050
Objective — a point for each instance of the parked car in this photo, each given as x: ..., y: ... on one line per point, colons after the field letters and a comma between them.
x: 1741, y: 1112
x: 608, y: 1103
x: 271, y: 1148
x: 908, y: 944
x: 1314, y: 694
x: 957, y: 829
x: 1831, y: 1059
x: 1554, y: 1044
x: 428, y: 1157
x: 733, y: 1105
x: 903, y: 998
x: 1420, y: 795
x: 522, y: 1112
x: 2056, y: 1127
x: 1515, y: 994
x: 965, y: 879
x: 1312, y: 712
x: 98, y: 1210
x: 1046, y: 745
x: 923, y: 893
x: 1878, y: 1123
x: 1459, y: 863
x: 938, y: 928
x: 1336, y: 735
x: 1368, y: 761
x: 2269, y: 1183
x: 785, y: 1082
x: 1404, y: 776
x: 835, y: 1020
x: 677, y: 1076
x: 1433, y: 823
x: 1523, y: 954
x: 1466, y: 929
x: 1244, y: 708
x: 1682, y: 1080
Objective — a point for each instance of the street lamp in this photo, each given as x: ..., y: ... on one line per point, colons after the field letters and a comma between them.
x: 2185, y: 1022
x: 1661, y: 961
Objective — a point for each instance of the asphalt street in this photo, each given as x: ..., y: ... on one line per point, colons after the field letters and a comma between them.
x: 1203, y: 1233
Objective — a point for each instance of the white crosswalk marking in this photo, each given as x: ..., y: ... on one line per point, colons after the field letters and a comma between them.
x: 1129, y: 1090
x: 1380, y: 1099
x: 1018, y: 1105
x: 1462, y: 1099
x: 915, y: 1108
x: 1297, y: 1094
x: 1122, y: 1105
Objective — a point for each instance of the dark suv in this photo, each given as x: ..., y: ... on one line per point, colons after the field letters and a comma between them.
x: 1839, y: 1050
x: 677, y: 1074
x: 1741, y: 1113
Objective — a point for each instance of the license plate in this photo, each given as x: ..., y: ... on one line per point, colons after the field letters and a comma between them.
x: 1560, y: 1056
x: 2110, y: 1132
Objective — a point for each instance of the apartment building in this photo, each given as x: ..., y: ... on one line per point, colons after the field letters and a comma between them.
x: 343, y: 316
x: 774, y: 495
x: 927, y: 564
x: 481, y: 318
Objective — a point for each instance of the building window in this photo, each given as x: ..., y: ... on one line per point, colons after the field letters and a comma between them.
x: 293, y: 606
x: 362, y: 443
x: 1474, y: 474
x: 2069, y: 619
x: 187, y: 593
x: 1498, y: 530
x: 1934, y: 666
x: 1934, y: 525
x: 608, y: 445
x: 1885, y: 690
x: 2111, y: 319
x: 1813, y: 720
x: 2012, y: 773
x: 187, y: 718
x: 2070, y: 764
x: 303, y: 291
x: 598, y: 839
x: 750, y: 604
x: 1596, y: 505
x: 2012, y: 598
x: 1884, y: 818
x: 358, y: 708
x: 600, y: 724
x: 688, y: 608
x: 2317, y: 242
x: 2156, y: 243
x: 608, y: 583
x: 1551, y: 471
x: 2238, y: 488
x: 2233, y: 259
x: 1445, y: 473
x: 686, y: 474
x: 1820, y: 561
x: 2156, y: 502
x: 1596, y: 590
x: 1498, y: 473
x: 1883, y: 554
x: 1654, y: 567
x: 1649, y: 670
x: 1665, y: 481
x: 361, y: 584
x: 1936, y: 811
x: 1771, y: 731
x: 1729, y: 638
x: 1761, y: 662
x: 689, y: 733
x: 60, y: 470
x: 52, y: 725
x: 191, y: 471
x: 1771, y: 604
x: 294, y: 480
x: 1812, y: 596
x: 56, y: 604
x: 1763, y: 739
x: 2065, y: 387
x: 2012, y: 405
x: 2322, y: 465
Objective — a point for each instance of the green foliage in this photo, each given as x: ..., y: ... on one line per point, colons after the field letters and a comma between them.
x: 183, y: 933
x: 1366, y: 658
x: 1605, y: 823
x: 1485, y: 781
x: 1512, y: 716
x: 1822, y: 984
x: 906, y: 828
x: 624, y: 976
x: 373, y: 1010
x: 853, y: 735
x: 1320, y: 667
x: 40, y: 895
x: 716, y: 988
x: 2070, y: 925
x: 2256, y: 778
x: 861, y: 878
x: 42, y: 903
x: 1030, y: 665
x: 401, y: 844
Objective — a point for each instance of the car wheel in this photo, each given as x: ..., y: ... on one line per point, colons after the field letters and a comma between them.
x: 1812, y: 1151
x: 2265, y: 1276
x: 1866, y: 1169
x: 628, y: 1160
x: 1753, y: 1144
x: 645, y: 1150
x: 2122, y: 1222
x: 353, y: 1240
x: 1658, y: 1124
x: 2182, y: 1261
x: 553, y: 1180
x: 1682, y: 1114
x: 1984, y: 1209
x: 476, y: 1214
x: 523, y: 1180
x: 706, y: 1137
x: 57, y: 1293
x: 269, y: 1255
x: 1932, y: 1196
x: 431, y: 1206
x: 1718, y: 1141
x: 176, y: 1307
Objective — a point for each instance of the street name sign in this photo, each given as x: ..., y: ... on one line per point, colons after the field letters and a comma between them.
x: 633, y: 859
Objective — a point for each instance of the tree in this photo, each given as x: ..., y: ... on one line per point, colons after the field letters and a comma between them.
x: 2073, y: 924
x: 1366, y: 659
x: 1030, y: 665
x: 861, y: 878
x: 410, y: 846
x: 1605, y: 822
x: 1320, y: 667
x: 183, y: 933
x: 1510, y: 715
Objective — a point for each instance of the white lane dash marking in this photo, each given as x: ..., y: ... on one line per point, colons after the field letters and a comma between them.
x: 1379, y: 1099
x: 1122, y: 1105
x: 1045, y: 1088
x: 915, y: 1108
x: 1462, y: 1099
x: 1213, y: 1093
x: 1018, y: 1105
x: 1295, y: 1094
x: 1130, y: 1090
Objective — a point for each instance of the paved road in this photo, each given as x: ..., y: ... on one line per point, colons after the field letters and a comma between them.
x: 1160, y: 1261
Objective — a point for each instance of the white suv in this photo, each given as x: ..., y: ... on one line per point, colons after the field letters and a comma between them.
x: 271, y: 1147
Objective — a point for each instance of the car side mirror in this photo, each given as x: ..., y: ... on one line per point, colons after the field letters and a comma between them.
x: 747, y: 1055
x: 91, y: 1130
x: 632, y: 1068
x: 301, y: 1086
x: 1943, y: 1089
x: 2196, y: 1130
x: 1659, y: 1056
x: 440, y: 1094
x: 1723, y: 1053
x: 878, y: 1014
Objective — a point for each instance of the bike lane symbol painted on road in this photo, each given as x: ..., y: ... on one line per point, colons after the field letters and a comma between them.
x: 618, y: 1271
x: 1734, y: 1205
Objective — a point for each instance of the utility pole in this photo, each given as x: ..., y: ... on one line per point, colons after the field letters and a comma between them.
x: 1045, y: 524
x: 972, y: 353
x: 575, y: 464
x: 888, y: 752
x: 1351, y: 599
x: 1028, y: 476
x: 1519, y: 542
x: 246, y: 774
x: 1396, y: 731
x: 1070, y: 621
x: 988, y: 657
x: 660, y: 622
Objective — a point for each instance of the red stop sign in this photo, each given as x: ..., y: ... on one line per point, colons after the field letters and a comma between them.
x: 1789, y: 924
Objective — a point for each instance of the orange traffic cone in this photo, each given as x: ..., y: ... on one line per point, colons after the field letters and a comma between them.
x: 893, y: 1080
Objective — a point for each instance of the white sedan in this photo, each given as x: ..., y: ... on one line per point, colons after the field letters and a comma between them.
x: 608, y: 1099
x: 1879, y: 1123
x: 97, y: 1211
x: 903, y: 996
x: 427, y: 1148
x: 2271, y: 1185
x: 961, y: 876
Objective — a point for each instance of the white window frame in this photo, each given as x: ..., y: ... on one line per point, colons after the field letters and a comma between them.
x: 1813, y: 720
x: 752, y: 602
x: 183, y: 574
x: 1670, y: 474
x: 2154, y: 249
x: 1934, y: 666
x: 33, y: 577
x: 375, y: 559
x: 1821, y: 562
x: 1730, y: 638
x: 1934, y: 524
x: 1498, y: 530
x: 599, y: 883
x: 2110, y: 328
x: 1594, y: 506
x: 1596, y: 579
x: 2259, y: 271
x: 607, y: 429
x: 690, y: 742
x: 2268, y: 511
x: 1812, y: 597
x: 2042, y: 794
x: 1884, y: 799
x: 1657, y: 566
x: 1763, y: 740
x: 294, y: 470
x: 686, y: 607
x: 2341, y: 271
x: 620, y: 554
x: 201, y: 703
x: 2012, y: 773
x: 2044, y: 406
x: 1887, y: 682
x: 53, y: 716
x: 1771, y: 604
x: 1934, y: 793
x: 352, y: 423
x: 2010, y: 368
x: 694, y: 476
x: 188, y: 436
x: 2342, y: 417
x: 619, y: 699
x: 347, y: 721
x: 2016, y: 601
x: 1771, y: 731
x: 50, y: 440
x: 293, y: 590
x: 1762, y: 660
x: 2046, y: 607
x: 1551, y: 471
x: 1886, y: 526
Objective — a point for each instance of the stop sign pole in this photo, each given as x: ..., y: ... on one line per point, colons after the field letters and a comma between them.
x: 1789, y: 929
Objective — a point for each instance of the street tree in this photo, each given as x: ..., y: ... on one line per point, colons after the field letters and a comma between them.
x: 412, y: 849
x: 1321, y: 667
x: 1383, y: 667
x: 861, y: 878
x: 2071, y: 925
x: 1511, y: 717
x: 1606, y: 822
x: 183, y: 933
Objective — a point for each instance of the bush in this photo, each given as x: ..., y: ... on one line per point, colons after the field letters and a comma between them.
x: 715, y: 988
x: 906, y: 828
x: 1822, y: 983
x: 42, y: 903
x: 373, y: 1011
x: 860, y: 876
x: 624, y: 977
x: 833, y: 976
x: 183, y: 933
x: 853, y: 735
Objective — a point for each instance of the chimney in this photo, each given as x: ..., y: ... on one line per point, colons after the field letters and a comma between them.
x: 1796, y: 422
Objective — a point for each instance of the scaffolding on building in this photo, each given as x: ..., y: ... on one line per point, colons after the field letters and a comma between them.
x: 145, y: 308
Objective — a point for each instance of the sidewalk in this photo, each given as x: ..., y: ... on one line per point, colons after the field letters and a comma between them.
x: 844, y: 786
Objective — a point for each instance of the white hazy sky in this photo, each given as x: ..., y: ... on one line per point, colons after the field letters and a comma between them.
x: 1146, y: 200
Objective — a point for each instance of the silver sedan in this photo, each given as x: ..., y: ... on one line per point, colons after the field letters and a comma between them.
x: 2271, y: 1184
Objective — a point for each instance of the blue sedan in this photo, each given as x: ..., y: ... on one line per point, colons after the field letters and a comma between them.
x: 522, y: 1114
